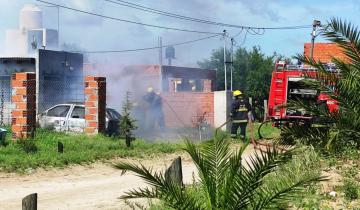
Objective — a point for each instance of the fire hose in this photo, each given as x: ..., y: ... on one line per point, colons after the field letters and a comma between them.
x: 256, y: 144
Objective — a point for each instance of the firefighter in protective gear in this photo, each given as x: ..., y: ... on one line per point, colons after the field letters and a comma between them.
x: 153, y: 110
x: 239, y: 114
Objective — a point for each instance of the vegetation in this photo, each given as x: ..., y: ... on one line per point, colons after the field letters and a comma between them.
x: 351, y: 189
x: 127, y: 123
x: 340, y: 129
x: 334, y: 135
x: 226, y: 181
x: 252, y: 70
x: 78, y: 149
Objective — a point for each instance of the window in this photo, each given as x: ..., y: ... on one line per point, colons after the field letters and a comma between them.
x: 58, y: 111
x: 78, y: 112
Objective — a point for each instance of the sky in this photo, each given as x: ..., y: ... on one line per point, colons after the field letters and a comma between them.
x: 95, y: 34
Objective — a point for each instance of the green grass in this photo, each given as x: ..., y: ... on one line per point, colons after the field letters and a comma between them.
x: 267, y: 130
x: 78, y: 149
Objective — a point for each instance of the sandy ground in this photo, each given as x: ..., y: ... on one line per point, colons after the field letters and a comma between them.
x: 96, y: 186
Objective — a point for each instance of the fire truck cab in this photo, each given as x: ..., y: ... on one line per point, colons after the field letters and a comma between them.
x: 286, y: 85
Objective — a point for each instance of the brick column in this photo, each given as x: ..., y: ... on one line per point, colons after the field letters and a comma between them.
x: 207, y: 85
x: 95, y: 104
x: 23, y: 123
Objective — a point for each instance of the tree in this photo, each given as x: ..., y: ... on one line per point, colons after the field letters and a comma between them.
x: 127, y: 123
x: 258, y: 75
x: 338, y: 129
x: 226, y: 181
x: 252, y: 70
x: 216, y: 62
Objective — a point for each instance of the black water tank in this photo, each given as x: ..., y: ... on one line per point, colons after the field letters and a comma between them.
x: 170, y: 52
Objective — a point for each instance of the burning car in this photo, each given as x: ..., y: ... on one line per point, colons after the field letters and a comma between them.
x: 71, y: 118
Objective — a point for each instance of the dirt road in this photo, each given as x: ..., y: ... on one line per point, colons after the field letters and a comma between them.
x: 96, y: 186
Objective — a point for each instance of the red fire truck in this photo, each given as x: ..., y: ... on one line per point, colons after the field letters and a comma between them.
x: 286, y: 85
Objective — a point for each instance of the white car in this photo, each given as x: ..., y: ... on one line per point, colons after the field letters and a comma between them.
x: 71, y: 118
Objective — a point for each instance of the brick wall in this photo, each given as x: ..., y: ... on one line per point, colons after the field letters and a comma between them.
x: 183, y: 109
x: 324, y: 52
x: 23, y: 123
x: 95, y: 104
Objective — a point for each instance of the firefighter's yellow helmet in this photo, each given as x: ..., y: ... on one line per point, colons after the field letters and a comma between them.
x: 237, y: 93
x: 150, y: 89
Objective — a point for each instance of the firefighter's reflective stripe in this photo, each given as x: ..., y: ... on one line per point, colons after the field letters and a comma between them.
x: 319, y: 126
x: 239, y: 121
x: 242, y: 110
x: 233, y: 135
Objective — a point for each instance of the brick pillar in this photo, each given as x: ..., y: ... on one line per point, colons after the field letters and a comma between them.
x: 207, y: 85
x: 95, y: 104
x: 23, y: 123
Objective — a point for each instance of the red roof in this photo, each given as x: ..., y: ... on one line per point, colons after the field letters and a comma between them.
x: 323, y: 52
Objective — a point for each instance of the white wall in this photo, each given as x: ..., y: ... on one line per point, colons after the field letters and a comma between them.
x: 222, y: 106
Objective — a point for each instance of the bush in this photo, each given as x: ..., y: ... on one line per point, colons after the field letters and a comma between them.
x: 351, y: 189
x: 27, y: 145
x: 225, y: 181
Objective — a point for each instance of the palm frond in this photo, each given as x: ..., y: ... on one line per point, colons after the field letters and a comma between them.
x: 251, y: 178
x: 167, y: 190
x: 281, y: 192
x: 225, y: 182
x: 212, y: 163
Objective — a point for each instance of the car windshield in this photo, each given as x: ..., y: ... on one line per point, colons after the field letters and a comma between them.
x: 113, y: 114
x: 58, y: 111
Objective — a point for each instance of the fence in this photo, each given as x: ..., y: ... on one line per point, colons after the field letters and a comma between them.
x: 22, y: 96
x: 5, y: 100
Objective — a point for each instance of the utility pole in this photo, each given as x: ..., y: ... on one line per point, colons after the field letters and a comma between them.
x: 224, y: 37
x: 160, y: 51
x: 58, y: 22
x: 316, y: 23
x: 231, y: 64
x: 160, y: 60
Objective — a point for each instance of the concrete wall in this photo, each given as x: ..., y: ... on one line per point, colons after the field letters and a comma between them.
x: 222, y: 108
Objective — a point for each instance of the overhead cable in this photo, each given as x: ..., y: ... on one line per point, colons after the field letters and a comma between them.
x: 173, y: 15
x: 147, y: 48
x: 127, y: 21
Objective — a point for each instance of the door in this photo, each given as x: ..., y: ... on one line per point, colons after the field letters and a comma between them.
x: 56, y: 118
x: 77, y: 119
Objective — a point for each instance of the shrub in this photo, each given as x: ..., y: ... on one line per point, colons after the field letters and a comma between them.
x: 27, y: 145
x: 351, y: 189
x: 127, y: 123
x: 226, y: 181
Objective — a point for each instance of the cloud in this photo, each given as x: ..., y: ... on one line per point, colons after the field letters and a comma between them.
x: 78, y: 19
x: 260, y: 8
x: 94, y: 33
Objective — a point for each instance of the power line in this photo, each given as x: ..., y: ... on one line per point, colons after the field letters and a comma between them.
x: 127, y: 21
x: 147, y: 48
x: 173, y: 15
